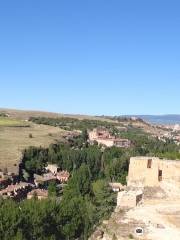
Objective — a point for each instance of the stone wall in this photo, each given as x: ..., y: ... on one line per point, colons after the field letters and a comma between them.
x: 151, y: 171
x: 129, y: 199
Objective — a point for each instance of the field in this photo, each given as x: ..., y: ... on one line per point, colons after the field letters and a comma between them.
x: 10, y: 122
x: 15, y: 130
x: 14, y: 138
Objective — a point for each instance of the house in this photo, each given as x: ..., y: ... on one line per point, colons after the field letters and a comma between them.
x: 108, y: 142
x: 99, y: 133
x: 63, y: 176
x: 72, y: 135
x: 153, y: 172
x: 103, y: 137
x: 38, y: 193
x: 16, y: 191
x: 44, y: 180
x: 53, y: 168
x: 123, y: 143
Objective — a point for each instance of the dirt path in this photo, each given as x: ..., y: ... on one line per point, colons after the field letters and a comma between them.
x: 161, y: 218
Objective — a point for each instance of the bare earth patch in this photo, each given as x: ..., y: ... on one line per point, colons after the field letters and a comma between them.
x: 159, y: 219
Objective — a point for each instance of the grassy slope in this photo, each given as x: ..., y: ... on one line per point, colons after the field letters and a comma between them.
x: 23, y: 115
x: 10, y: 122
x: 15, y: 139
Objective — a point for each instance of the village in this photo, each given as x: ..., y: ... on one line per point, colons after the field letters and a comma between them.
x: 11, y: 187
x: 168, y: 132
x: 152, y: 183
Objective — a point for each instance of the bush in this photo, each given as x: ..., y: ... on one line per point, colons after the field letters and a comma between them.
x: 131, y: 236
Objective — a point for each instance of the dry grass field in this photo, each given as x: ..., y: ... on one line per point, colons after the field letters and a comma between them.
x: 9, y: 122
x: 13, y: 140
x: 15, y: 130
x: 25, y: 115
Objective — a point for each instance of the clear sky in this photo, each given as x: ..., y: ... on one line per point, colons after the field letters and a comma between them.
x: 90, y: 56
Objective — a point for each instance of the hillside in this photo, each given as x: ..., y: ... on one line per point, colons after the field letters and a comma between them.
x: 26, y: 114
x: 90, y: 166
x: 15, y: 130
x: 15, y: 137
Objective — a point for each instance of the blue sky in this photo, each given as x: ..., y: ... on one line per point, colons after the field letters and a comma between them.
x: 90, y: 56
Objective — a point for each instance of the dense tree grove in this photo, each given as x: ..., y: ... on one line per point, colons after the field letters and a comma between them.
x: 87, y: 198
x: 112, y: 163
x: 84, y: 204
x: 68, y: 123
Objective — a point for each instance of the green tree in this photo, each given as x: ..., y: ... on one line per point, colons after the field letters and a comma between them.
x: 84, y: 135
x: 104, y: 198
x: 73, y: 217
x: 52, y: 189
x: 79, y: 184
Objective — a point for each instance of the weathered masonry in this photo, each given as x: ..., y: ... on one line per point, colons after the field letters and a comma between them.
x: 129, y: 199
x: 152, y: 171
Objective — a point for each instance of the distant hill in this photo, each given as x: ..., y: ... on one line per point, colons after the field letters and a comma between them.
x: 151, y: 119
x: 26, y: 114
x: 162, y: 119
x: 157, y: 119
